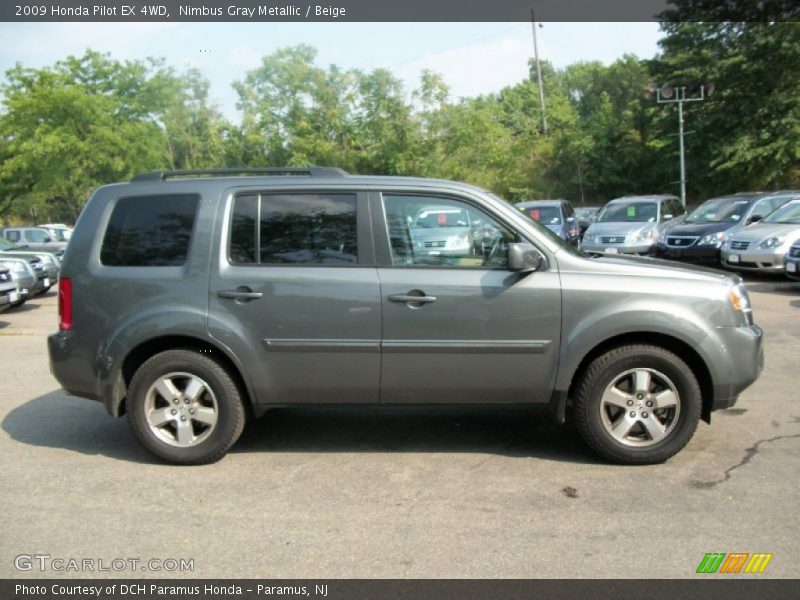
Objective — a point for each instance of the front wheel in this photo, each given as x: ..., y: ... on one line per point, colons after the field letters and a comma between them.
x: 185, y: 408
x: 637, y: 404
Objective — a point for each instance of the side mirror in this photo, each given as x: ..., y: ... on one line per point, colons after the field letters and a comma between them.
x: 667, y: 217
x: 754, y: 219
x: 524, y: 258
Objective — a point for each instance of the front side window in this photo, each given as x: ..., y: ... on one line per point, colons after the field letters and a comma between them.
x: 149, y: 231
x: 436, y: 231
x: 12, y: 236
x: 294, y: 228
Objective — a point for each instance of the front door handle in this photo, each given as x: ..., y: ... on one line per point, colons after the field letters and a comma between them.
x: 242, y: 293
x: 414, y: 298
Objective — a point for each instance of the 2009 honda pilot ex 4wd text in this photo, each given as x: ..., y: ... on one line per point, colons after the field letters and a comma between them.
x: 191, y: 302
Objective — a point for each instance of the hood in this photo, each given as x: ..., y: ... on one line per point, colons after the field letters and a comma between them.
x: 758, y: 231
x: 642, y: 266
x: 618, y: 228
x: 424, y: 234
x: 698, y: 229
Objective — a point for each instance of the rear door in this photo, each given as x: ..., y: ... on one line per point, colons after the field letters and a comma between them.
x: 294, y: 293
x: 458, y: 326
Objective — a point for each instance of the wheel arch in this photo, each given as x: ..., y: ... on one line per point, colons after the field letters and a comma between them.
x: 675, y: 345
x: 149, y: 348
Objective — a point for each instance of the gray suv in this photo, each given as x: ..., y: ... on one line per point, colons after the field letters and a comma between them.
x: 191, y: 303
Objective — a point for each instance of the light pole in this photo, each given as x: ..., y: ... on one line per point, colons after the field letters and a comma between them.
x: 667, y: 94
x: 538, y: 72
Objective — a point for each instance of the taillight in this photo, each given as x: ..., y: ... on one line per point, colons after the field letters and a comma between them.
x: 65, y: 304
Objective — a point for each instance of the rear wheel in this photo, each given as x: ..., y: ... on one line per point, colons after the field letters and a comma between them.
x: 185, y: 408
x: 637, y: 404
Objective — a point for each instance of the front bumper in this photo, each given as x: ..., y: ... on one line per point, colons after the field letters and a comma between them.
x: 764, y: 261
x: 744, y: 350
x: 26, y: 285
x: 693, y: 254
x: 792, y: 268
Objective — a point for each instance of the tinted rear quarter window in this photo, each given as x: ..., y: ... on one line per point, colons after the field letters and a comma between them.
x: 149, y: 231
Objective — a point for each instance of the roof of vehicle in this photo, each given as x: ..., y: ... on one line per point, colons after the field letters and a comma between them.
x: 651, y: 198
x: 529, y: 203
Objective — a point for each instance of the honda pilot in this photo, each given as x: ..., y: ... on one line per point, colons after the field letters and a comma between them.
x: 193, y: 301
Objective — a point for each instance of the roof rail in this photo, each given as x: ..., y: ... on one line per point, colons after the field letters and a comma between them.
x: 294, y: 171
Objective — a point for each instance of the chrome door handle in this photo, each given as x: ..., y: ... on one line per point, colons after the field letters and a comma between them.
x: 240, y: 293
x: 419, y: 298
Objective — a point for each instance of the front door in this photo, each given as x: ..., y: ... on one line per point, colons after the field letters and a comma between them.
x: 458, y: 326
x: 294, y: 293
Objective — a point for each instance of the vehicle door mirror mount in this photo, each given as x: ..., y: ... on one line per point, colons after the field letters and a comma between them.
x: 524, y: 258
x: 754, y: 219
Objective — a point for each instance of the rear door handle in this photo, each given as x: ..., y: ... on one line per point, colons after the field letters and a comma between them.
x: 243, y: 293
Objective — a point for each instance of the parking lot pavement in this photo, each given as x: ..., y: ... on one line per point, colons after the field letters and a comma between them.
x: 355, y: 492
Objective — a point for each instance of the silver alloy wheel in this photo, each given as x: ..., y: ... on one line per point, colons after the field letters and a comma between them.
x: 181, y: 409
x: 640, y: 407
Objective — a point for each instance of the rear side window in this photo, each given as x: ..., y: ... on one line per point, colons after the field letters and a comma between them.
x: 12, y: 236
x: 299, y: 228
x: 149, y: 231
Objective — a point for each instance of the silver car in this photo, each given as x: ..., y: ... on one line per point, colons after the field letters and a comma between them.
x: 442, y: 231
x: 631, y: 225
x: 9, y: 296
x: 763, y: 245
x: 23, y: 276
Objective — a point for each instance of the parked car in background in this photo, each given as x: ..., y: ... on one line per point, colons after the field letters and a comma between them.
x: 9, y: 296
x: 35, y: 238
x: 60, y: 231
x: 585, y: 216
x: 631, y: 225
x: 25, y: 278
x: 700, y: 236
x: 177, y: 308
x: 792, y: 261
x: 557, y: 215
x: 762, y: 246
x: 50, y: 264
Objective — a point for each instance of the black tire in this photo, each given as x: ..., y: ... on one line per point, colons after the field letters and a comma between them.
x: 215, y: 440
x: 598, y: 420
x: 17, y: 304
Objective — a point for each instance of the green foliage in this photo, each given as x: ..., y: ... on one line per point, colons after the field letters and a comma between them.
x: 90, y: 120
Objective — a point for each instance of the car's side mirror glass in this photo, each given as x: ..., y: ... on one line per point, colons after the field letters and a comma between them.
x: 570, y: 219
x: 524, y: 258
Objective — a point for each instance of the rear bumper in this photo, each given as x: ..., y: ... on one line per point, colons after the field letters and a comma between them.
x: 67, y: 364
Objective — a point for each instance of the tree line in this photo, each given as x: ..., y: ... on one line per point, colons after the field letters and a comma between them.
x: 89, y: 120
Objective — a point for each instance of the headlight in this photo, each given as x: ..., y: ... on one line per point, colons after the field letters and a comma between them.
x: 662, y: 237
x: 740, y: 301
x: 17, y: 266
x: 772, y: 242
x: 712, y: 239
x: 641, y: 236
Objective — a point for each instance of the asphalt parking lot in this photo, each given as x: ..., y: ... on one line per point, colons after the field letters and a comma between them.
x: 429, y: 493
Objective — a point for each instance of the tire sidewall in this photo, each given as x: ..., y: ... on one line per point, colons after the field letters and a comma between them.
x: 690, y: 406
x: 229, y: 410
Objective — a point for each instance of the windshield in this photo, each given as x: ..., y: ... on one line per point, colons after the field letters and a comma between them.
x: 721, y: 210
x: 434, y: 218
x: 788, y: 214
x: 58, y: 234
x: 6, y: 245
x: 633, y: 212
x: 585, y: 213
x: 546, y: 215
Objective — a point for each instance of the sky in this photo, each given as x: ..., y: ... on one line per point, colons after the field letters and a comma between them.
x: 473, y: 58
